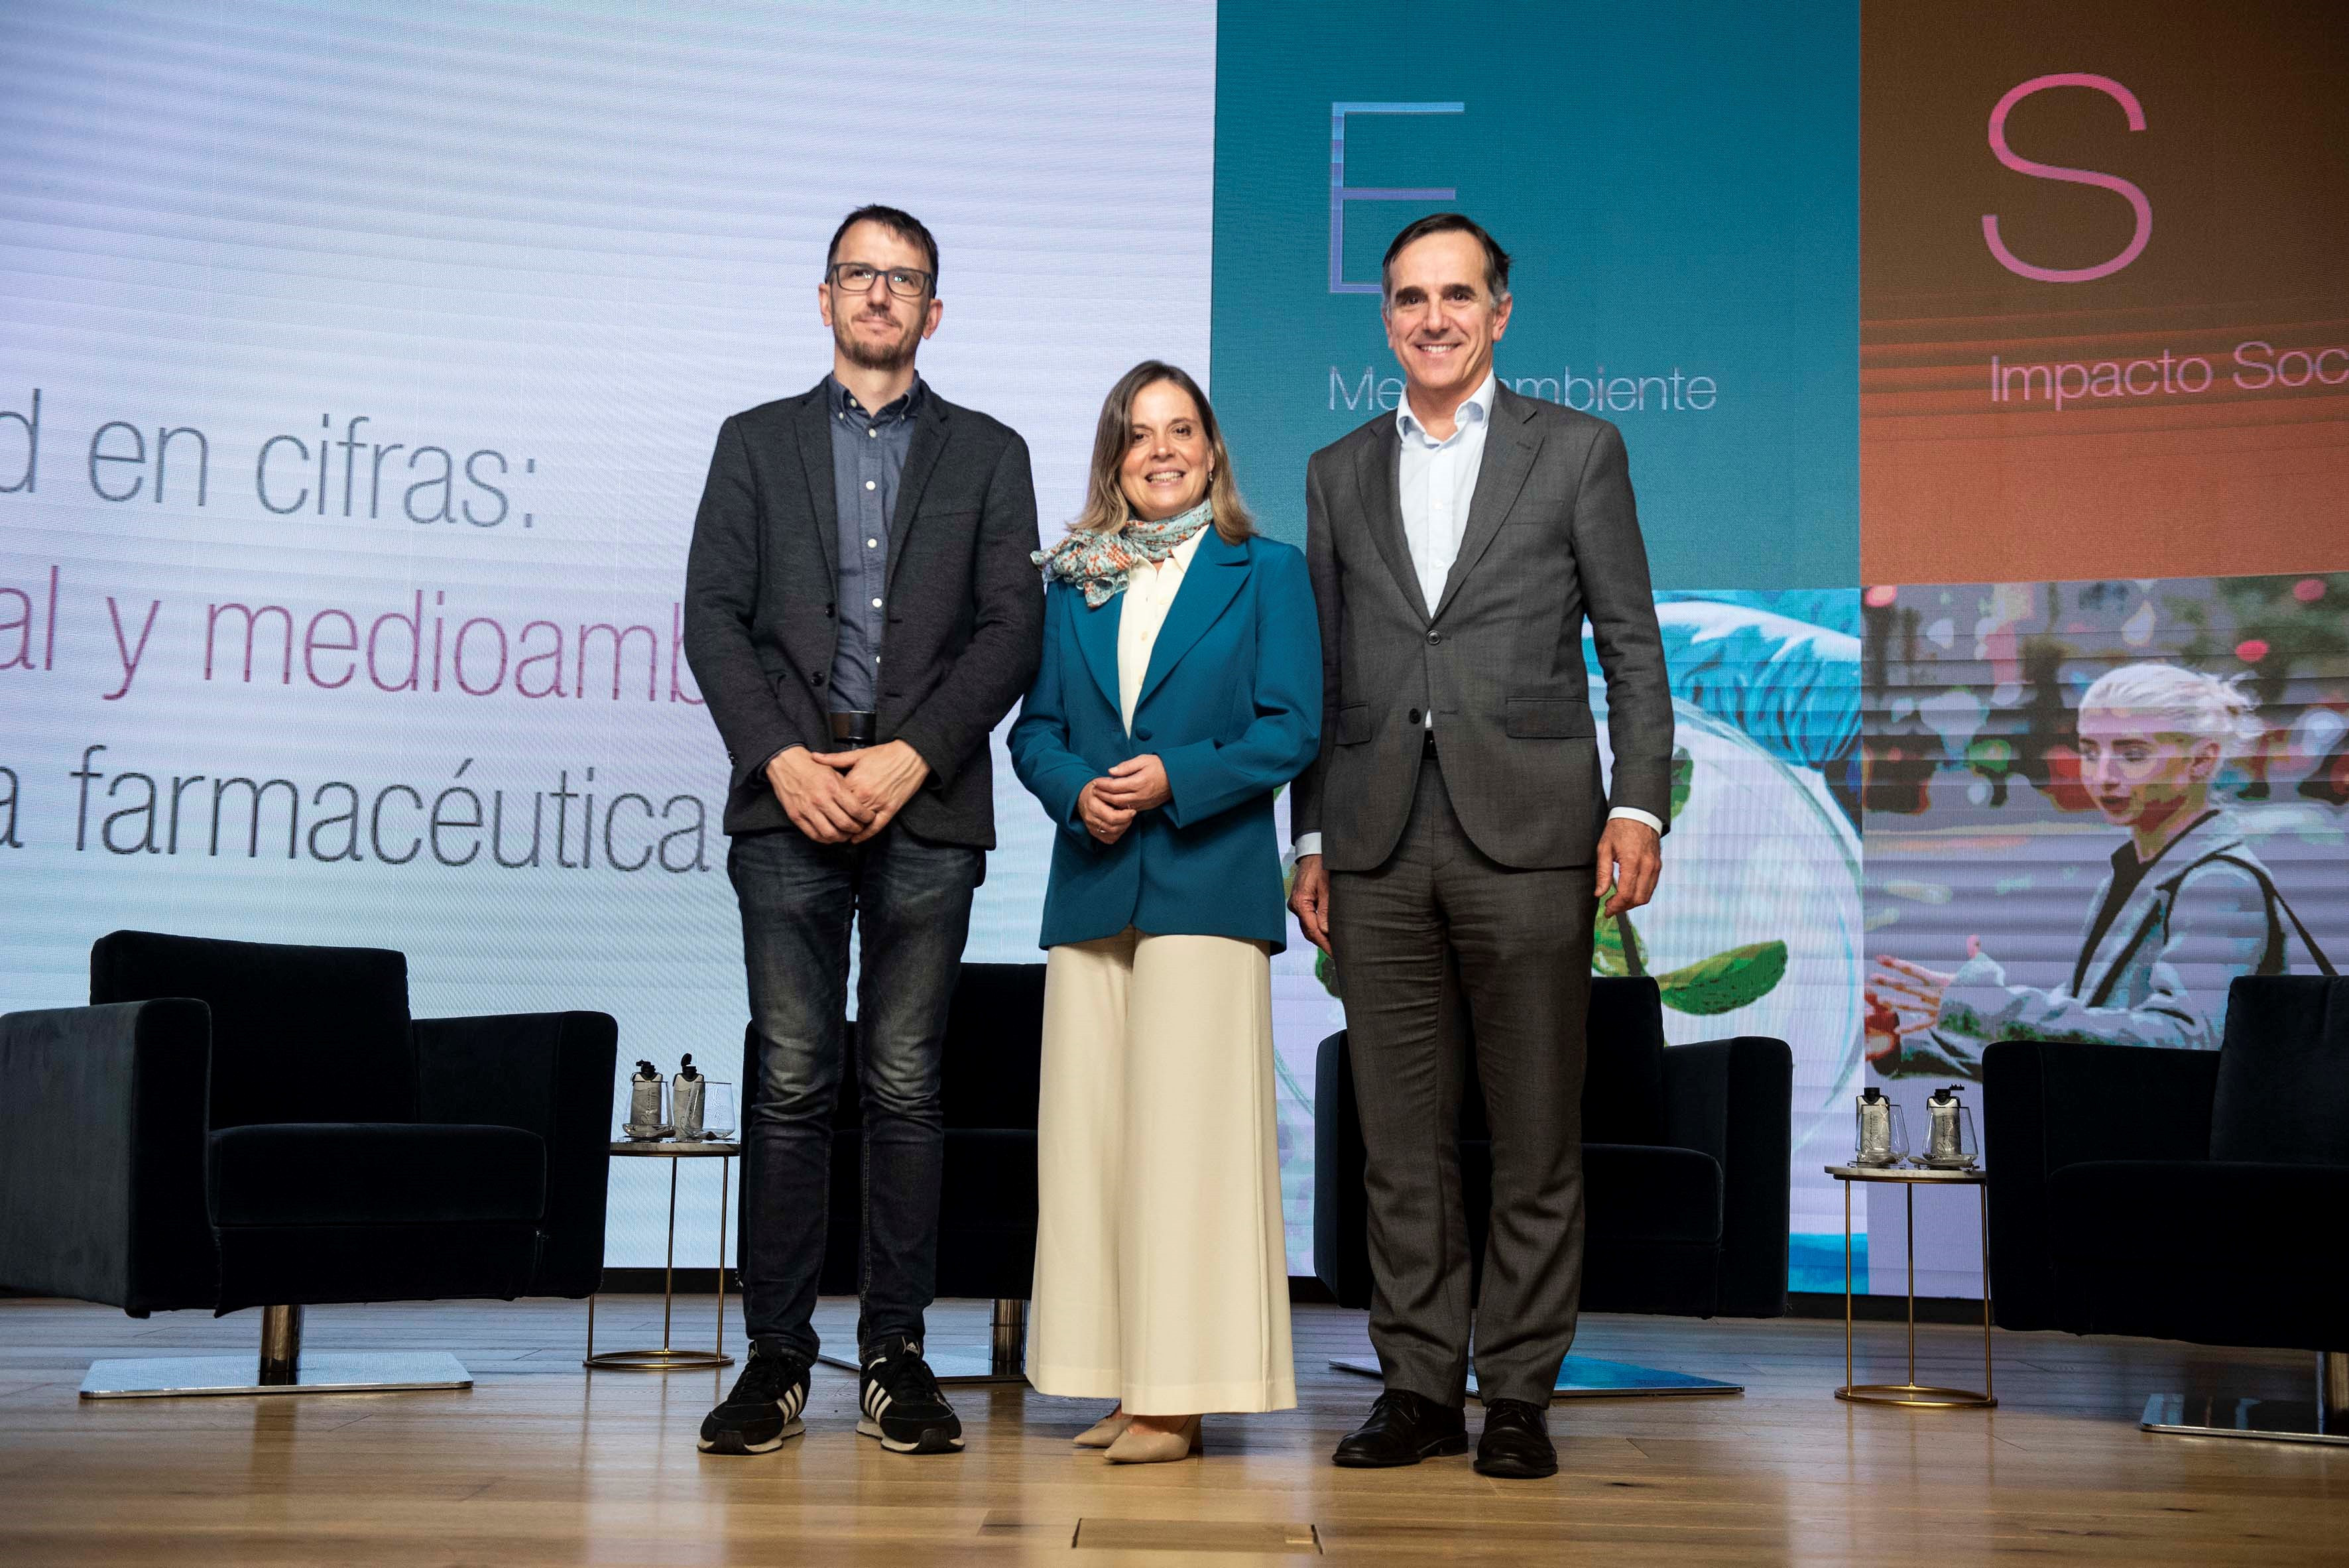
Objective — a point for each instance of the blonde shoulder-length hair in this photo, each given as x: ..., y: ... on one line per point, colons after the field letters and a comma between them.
x: 1106, y: 508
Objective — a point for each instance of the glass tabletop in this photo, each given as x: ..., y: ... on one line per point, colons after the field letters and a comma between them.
x: 670, y: 1148
x: 1963, y: 1176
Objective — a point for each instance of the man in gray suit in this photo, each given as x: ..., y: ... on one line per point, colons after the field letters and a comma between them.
x: 861, y: 613
x: 1455, y: 833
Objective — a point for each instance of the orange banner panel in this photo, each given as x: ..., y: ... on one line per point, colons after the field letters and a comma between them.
x: 2104, y: 309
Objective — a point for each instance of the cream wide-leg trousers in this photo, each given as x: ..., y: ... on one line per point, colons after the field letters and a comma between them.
x: 1162, y: 1277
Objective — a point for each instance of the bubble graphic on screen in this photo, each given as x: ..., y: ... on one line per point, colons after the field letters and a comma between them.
x: 1760, y: 853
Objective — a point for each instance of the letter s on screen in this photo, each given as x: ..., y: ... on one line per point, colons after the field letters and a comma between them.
x: 2113, y: 182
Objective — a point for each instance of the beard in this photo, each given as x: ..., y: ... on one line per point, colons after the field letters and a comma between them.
x: 868, y: 355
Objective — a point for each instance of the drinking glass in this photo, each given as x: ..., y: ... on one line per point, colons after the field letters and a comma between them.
x: 718, y: 1113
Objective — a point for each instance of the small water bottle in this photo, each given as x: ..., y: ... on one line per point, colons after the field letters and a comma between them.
x: 1949, y: 1130
x: 1880, y: 1135
x: 648, y: 1101
x: 685, y: 1101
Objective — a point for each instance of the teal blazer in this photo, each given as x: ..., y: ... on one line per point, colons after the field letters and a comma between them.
x: 1231, y: 705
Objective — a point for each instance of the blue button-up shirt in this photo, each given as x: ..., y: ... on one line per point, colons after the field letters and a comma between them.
x: 868, y: 457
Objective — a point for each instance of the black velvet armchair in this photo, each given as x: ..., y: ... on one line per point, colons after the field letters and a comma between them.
x: 233, y: 1124
x: 1685, y: 1153
x: 2183, y: 1195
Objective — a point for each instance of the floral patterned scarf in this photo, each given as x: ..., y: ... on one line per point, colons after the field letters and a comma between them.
x: 1101, y: 563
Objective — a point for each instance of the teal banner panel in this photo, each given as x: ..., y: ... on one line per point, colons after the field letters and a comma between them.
x: 1678, y: 185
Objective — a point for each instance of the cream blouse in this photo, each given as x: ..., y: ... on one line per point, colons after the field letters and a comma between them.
x: 1149, y: 593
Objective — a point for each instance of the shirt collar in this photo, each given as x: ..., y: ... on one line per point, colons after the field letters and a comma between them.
x: 904, y: 408
x: 2127, y: 866
x: 1478, y: 408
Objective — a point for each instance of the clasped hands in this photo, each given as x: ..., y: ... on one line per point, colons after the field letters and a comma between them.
x: 846, y: 797
x: 1108, y: 805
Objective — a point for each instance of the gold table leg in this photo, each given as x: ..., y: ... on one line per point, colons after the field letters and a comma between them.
x: 726, y: 1192
x: 666, y: 1359
x: 1913, y: 1394
x: 1847, y: 1291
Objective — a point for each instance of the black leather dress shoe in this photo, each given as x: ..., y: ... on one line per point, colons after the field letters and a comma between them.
x: 1515, y: 1445
x: 1403, y: 1428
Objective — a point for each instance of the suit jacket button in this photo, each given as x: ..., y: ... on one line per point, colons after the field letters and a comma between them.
x: 1141, y: 735
x: 1435, y: 636
x: 1415, y: 715
x: 816, y: 680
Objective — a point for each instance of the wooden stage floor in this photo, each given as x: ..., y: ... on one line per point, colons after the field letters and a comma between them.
x: 540, y: 1463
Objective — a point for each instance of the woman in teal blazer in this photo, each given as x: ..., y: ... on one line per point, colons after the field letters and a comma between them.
x: 1230, y: 706
x: 1180, y: 688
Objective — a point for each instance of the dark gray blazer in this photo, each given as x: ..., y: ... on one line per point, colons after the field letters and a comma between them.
x: 966, y: 607
x: 1552, y: 536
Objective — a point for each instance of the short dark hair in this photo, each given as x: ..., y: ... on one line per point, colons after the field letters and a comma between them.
x: 1496, y: 260
x: 898, y: 221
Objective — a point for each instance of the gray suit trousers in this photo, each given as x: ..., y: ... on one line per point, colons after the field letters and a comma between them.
x: 1438, y: 925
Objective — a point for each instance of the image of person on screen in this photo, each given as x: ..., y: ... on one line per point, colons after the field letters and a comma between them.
x: 1181, y: 688
x: 860, y: 612
x: 1455, y: 831
x: 2186, y: 907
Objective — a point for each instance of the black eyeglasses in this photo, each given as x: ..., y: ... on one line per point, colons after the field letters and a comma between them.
x: 856, y: 277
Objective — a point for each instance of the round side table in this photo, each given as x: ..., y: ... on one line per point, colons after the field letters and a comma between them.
x: 1913, y: 1393
x: 666, y: 1359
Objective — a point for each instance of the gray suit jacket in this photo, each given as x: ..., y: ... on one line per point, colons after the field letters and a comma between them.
x: 966, y: 607
x: 1552, y: 536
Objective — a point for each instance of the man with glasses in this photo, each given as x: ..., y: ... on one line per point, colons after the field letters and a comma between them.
x: 860, y: 612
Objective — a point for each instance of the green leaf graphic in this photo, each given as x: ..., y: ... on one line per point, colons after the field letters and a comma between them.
x: 1726, y: 980
x: 1683, y: 770
x: 1326, y: 970
x: 1606, y: 954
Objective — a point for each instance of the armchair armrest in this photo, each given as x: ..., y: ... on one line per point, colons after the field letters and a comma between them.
x: 1341, y: 1258
x: 103, y: 1161
x: 549, y: 1073
x: 1731, y: 1099
x: 2047, y: 1104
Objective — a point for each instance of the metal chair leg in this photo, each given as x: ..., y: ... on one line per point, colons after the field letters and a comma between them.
x: 2323, y: 1419
x: 281, y: 1345
x: 281, y: 1368
x: 1007, y: 1349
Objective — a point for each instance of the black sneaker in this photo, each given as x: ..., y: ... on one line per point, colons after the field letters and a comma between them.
x: 899, y: 1401
x: 764, y: 1407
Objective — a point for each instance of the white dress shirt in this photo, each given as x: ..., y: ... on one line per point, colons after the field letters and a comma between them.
x: 1435, y: 480
x: 1149, y: 593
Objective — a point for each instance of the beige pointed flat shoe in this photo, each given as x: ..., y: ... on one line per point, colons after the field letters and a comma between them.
x: 1136, y: 1447
x: 1103, y: 1433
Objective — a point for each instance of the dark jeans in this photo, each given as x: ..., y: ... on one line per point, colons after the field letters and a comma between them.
x: 911, y: 901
